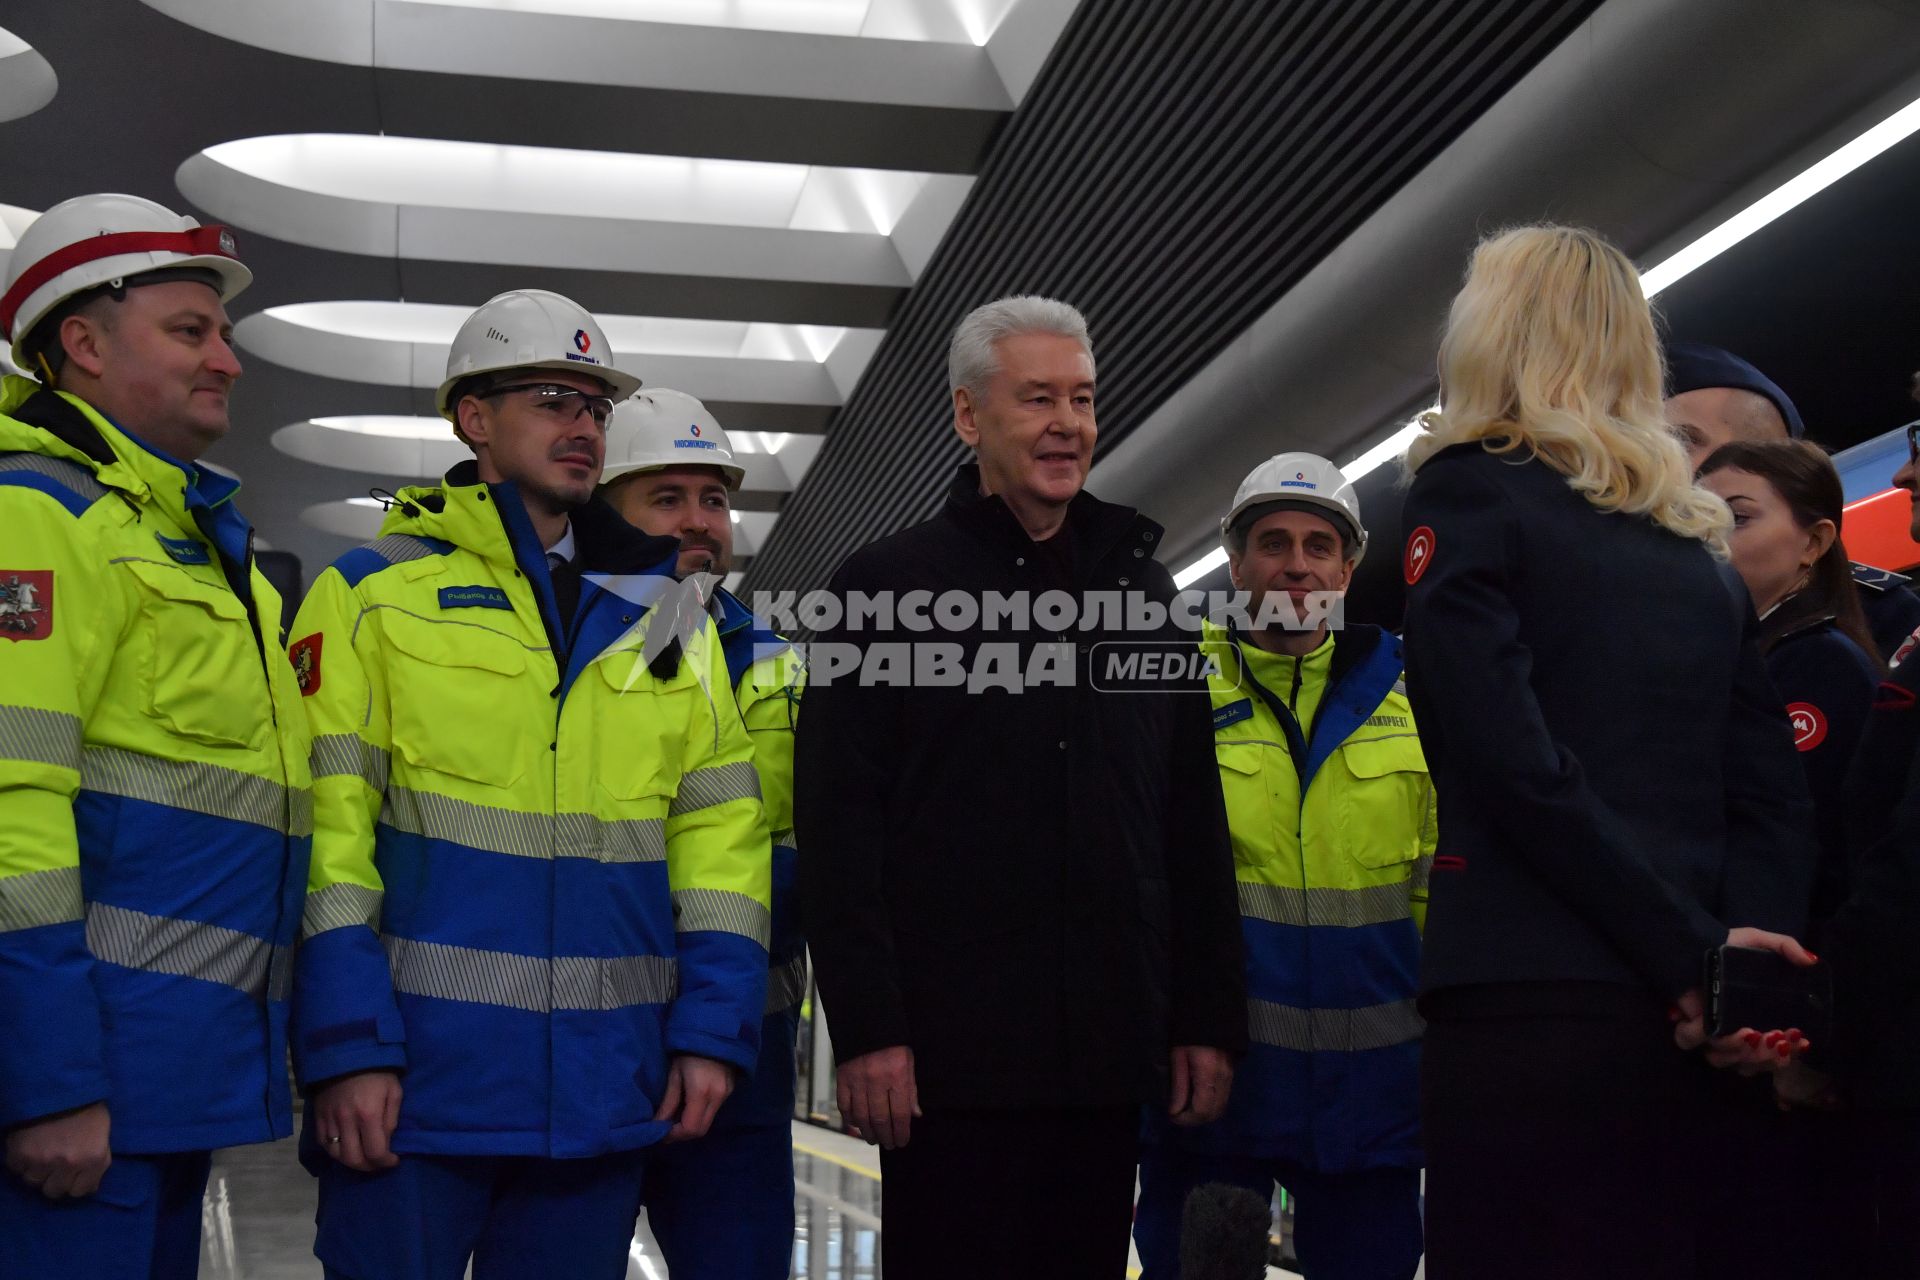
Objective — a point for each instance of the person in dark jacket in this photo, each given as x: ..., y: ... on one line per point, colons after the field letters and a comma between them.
x: 1617, y: 783
x: 1018, y: 887
x: 1715, y: 398
x: 1786, y: 501
x: 1864, y: 1077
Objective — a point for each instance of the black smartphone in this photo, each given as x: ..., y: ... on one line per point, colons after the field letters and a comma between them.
x: 1747, y: 987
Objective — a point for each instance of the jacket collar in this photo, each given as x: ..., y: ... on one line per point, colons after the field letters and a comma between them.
x: 491, y: 521
x: 1096, y: 527
x: 744, y: 639
x: 35, y: 419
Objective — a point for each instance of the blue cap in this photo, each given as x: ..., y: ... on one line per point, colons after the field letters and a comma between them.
x: 1694, y: 366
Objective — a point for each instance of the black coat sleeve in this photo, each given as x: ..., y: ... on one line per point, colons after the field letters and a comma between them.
x: 844, y: 742
x: 1208, y: 989
x: 1469, y: 671
x: 1868, y: 940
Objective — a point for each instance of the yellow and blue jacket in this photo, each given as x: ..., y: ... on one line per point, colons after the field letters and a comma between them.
x: 768, y: 679
x: 1332, y: 815
x: 541, y: 864
x: 155, y: 810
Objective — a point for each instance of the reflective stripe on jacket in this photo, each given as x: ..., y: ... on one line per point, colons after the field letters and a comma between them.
x: 155, y: 809
x: 540, y: 869
x: 1332, y: 896
x: 768, y: 678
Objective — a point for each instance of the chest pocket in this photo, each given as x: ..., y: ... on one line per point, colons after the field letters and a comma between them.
x: 1251, y: 810
x: 204, y: 678
x: 1384, y: 807
x: 648, y: 725
x: 449, y: 687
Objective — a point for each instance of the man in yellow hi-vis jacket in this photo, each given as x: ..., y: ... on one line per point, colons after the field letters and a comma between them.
x: 722, y: 1208
x: 154, y: 804
x: 540, y: 880
x: 1333, y: 821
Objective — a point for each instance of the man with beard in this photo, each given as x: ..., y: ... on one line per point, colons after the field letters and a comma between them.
x: 722, y: 1208
x: 539, y: 898
x: 1018, y: 891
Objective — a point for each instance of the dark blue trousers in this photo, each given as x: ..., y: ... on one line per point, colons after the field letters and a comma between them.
x: 722, y: 1207
x: 1347, y: 1226
x: 142, y: 1224
x: 516, y: 1217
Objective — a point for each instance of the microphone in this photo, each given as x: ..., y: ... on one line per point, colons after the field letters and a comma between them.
x: 1223, y: 1234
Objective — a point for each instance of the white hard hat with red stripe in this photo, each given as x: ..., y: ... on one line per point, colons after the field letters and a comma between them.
x: 107, y: 239
x: 661, y: 428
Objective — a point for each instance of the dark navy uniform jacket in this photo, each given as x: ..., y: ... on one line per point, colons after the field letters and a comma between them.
x: 1616, y: 777
x: 1868, y: 940
x: 1892, y: 608
x: 1828, y: 685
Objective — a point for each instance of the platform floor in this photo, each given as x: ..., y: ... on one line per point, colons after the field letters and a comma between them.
x: 259, y: 1215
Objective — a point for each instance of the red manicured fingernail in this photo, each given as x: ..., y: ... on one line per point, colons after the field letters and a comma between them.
x: 1752, y: 1038
x: 1814, y: 958
x: 1793, y: 1033
x: 1783, y: 1051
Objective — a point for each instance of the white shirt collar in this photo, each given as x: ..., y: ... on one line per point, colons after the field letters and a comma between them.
x: 564, y: 548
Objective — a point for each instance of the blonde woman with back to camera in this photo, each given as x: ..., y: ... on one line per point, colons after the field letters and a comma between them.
x: 1618, y: 787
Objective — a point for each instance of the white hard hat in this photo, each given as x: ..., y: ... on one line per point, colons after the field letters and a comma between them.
x: 531, y: 329
x: 661, y: 427
x: 1305, y: 480
x: 89, y: 241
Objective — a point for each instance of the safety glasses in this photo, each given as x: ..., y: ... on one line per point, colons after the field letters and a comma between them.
x: 565, y: 403
x: 1913, y: 441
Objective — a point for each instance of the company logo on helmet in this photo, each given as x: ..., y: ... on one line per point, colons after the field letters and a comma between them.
x: 581, y: 341
x: 1300, y: 482
x: 694, y: 429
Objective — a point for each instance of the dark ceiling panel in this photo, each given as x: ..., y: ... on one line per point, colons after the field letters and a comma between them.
x: 630, y: 293
x: 1177, y: 167
x: 1823, y: 301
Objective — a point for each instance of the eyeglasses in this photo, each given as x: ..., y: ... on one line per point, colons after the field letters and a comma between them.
x: 1913, y: 441
x: 566, y: 404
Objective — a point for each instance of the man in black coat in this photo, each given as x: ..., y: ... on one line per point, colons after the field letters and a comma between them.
x: 1018, y: 887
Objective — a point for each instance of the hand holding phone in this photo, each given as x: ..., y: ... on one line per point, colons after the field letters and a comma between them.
x: 1750, y: 988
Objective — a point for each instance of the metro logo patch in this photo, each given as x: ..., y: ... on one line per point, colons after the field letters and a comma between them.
x: 1420, y: 548
x: 1809, y: 725
x: 26, y: 604
x: 305, y: 656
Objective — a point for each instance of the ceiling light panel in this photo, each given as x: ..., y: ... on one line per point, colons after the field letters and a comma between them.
x: 609, y: 211
x: 922, y: 53
x: 554, y: 181
x: 27, y: 80
x: 436, y: 324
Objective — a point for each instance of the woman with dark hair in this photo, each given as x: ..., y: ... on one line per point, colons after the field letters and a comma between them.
x: 1786, y: 500
x: 1617, y: 784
